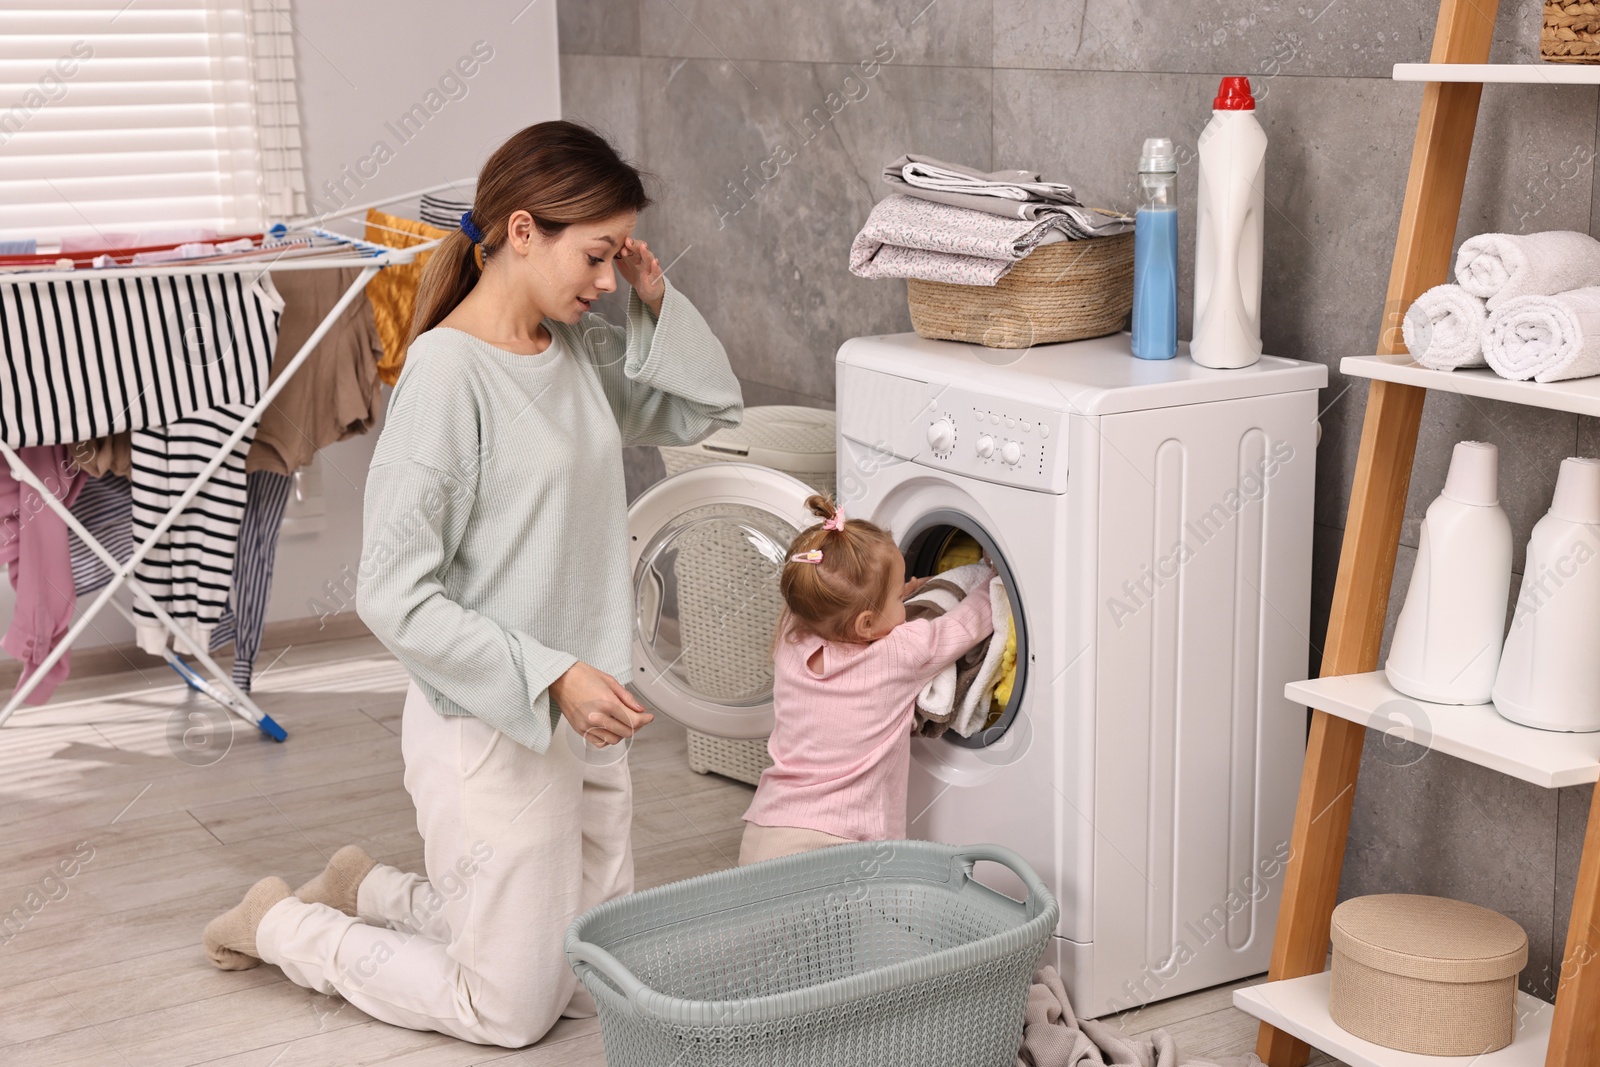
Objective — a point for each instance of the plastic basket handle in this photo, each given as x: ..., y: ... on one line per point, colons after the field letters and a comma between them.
x: 608, y: 967
x: 962, y: 862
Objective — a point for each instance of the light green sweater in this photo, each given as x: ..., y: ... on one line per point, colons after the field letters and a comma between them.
x: 494, y: 549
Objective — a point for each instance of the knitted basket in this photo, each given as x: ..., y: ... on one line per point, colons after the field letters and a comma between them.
x: 1426, y: 974
x: 1061, y: 292
x: 1571, y: 33
x: 729, y: 656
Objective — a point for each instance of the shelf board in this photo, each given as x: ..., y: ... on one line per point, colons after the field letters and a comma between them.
x: 1523, y: 73
x: 1579, y: 395
x: 1299, y: 1006
x: 1475, y: 733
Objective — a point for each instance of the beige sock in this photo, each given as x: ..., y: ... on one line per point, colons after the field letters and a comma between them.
x: 230, y: 938
x: 336, y: 886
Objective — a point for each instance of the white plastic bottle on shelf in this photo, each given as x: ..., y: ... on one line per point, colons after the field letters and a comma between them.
x: 1228, y: 232
x: 1446, y: 645
x: 1550, y: 672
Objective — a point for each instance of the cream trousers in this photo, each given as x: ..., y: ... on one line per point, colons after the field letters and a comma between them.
x: 516, y: 844
x: 769, y: 842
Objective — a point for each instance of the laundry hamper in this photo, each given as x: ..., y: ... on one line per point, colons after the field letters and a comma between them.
x: 1064, y: 291
x: 879, y: 953
x: 731, y: 658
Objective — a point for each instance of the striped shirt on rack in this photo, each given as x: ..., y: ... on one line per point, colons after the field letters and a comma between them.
x: 90, y: 357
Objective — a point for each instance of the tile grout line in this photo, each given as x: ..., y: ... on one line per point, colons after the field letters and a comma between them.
x: 1014, y: 68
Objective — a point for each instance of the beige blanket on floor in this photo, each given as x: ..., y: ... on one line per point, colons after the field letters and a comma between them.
x: 1052, y: 1036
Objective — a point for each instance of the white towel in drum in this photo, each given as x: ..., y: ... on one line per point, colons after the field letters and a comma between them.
x: 1503, y: 266
x: 1443, y: 328
x: 974, y: 710
x: 942, y: 594
x: 1546, y: 338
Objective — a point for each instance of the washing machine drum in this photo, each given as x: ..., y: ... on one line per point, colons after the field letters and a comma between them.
x: 707, y: 548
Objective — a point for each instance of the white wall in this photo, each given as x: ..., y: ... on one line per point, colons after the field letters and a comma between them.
x: 363, y: 64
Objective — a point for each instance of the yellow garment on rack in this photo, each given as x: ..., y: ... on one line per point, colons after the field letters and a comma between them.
x: 960, y: 550
x: 393, y: 293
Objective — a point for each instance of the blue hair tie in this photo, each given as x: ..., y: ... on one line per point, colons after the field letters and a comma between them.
x: 470, y: 228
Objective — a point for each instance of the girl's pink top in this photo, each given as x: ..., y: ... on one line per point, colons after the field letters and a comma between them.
x: 841, y: 740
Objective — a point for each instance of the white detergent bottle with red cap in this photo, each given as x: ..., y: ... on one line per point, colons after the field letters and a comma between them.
x: 1228, y: 232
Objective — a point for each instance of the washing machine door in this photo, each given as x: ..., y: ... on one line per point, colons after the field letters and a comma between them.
x: 707, y: 547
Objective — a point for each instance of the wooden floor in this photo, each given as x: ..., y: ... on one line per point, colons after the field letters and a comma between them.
x: 109, y: 968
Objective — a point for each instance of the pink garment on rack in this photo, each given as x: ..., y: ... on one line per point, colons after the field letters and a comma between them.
x: 33, y: 546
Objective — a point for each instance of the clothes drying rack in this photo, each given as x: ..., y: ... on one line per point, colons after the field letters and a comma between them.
x: 370, y: 257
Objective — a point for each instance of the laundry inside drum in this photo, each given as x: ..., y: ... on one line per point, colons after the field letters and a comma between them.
x: 935, y: 547
x: 708, y: 602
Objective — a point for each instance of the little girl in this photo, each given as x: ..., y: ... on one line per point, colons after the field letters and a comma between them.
x: 847, y: 671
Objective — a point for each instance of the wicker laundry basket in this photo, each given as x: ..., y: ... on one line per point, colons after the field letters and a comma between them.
x: 1061, y: 292
x: 1571, y: 33
x: 880, y: 953
x: 728, y: 657
x: 1426, y: 974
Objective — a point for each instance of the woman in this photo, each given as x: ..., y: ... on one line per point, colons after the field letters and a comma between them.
x: 494, y: 567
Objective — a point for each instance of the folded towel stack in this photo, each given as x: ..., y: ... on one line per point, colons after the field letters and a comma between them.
x: 949, y: 223
x: 1016, y: 194
x: 1526, y: 305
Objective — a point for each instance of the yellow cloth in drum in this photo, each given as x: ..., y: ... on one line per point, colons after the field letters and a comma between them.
x: 961, y: 550
x: 1008, y: 669
x: 393, y: 293
x: 958, y: 552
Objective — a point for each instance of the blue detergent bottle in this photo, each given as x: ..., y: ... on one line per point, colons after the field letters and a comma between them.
x: 1155, y: 253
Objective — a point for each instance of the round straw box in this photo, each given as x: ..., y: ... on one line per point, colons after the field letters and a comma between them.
x: 1426, y: 974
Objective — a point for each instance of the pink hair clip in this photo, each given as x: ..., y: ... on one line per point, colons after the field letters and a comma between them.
x: 814, y: 556
x: 837, y: 522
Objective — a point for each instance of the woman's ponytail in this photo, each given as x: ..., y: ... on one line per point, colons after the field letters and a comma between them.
x: 451, y: 272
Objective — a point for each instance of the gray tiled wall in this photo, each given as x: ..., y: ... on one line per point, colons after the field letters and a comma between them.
x: 701, y: 92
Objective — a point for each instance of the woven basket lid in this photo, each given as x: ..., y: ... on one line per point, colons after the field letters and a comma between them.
x: 1432, y: 938
x: 781, y: 436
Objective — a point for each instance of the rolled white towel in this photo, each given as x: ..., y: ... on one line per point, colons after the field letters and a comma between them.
x: 1546, y: 338
x: 1443, y: 329
x: 1503, y: 266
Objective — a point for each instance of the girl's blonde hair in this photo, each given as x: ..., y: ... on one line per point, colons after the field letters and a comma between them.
x: 850, y: 576
x: 560, y: 173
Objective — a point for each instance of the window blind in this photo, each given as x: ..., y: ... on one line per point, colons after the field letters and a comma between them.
x: 120, y: 119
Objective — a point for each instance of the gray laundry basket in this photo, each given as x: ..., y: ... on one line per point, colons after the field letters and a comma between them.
x: 877, y: 953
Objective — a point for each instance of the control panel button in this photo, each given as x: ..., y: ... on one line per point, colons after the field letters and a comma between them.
x: 994, y: 417
x: 985, y: 446
x: 1010, y: 423
x: 941, y: 435
x: 1044, y: 429
x: 1011, y: 453
x: 1027, y: 427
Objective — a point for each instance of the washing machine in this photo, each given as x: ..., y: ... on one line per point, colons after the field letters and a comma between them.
x: 1151, y: 522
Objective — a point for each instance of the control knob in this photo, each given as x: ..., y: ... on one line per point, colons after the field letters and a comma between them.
x: 941, y: 435
x: 1011, y: 453
x: 985, y: 446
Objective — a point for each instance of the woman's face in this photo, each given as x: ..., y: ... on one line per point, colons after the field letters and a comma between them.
x: 570, y: 271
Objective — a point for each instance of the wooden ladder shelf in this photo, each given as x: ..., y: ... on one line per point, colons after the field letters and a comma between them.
x: 1361, y: 596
